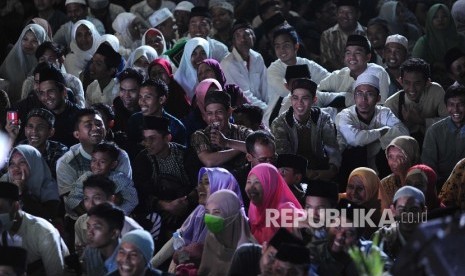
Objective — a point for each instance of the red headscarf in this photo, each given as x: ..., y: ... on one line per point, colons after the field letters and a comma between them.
x: 431, y: 196
x: 276, y: 195
x: 164, y: 63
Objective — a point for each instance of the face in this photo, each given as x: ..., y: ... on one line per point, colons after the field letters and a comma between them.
x: 222, y: 19
x: 94, y: 196
x: 142, y: 62
x: 457, y: 70
x: 203, y: 189
x: 213, y: 208
x: 18, y: 168
x: 456, y: 109
x: 91, y: 130
x: 394, y: 54
x: 328, y: 14
x: 155, y: 41
x: 199, y: 26
x: 262, y: 154
x: 198, y: 55
x: 37, y: 132
x: 243, y: 120
x: 137, y: 28
x: 347, y: 17
x: 49, y: 56
x: 76, y: 12
x: 417, y: 180
x: 267, y: 259
x: 29, y: 43
x: 168, y: 29
x: 51, y: 96
x: 317, y: 204
x: 158, y: 72
x: 98, y: 69
x: 377, y: 36
x: 340, y: 239
x: 397, y: 161
x: 356, y: 190
x: 243, y: 39
x: 290, y: 175
x: 440, y: 20
x: 129, y: 93
x: 99, y: 233
x: 405, y: 206
x: 42, y: 5
x: 254, y: 189
x: 101, y: 163
x: 301, y: 100
x: 154, y: 142
x: 84, y: 38
x: 414, y: 83
x: 149, y: 101
x: 366, y: 98
x: 182, y: 18
x: 204, y: 71
x: 356, y: 59
x: 130, y: 260
x: 217, y: 114
x: 285, y: 49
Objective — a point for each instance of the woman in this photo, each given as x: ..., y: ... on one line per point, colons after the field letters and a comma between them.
x: 193, y: 230
x: 453, y: 191
x: 21, y: 59
x: 155, y: 39
x: 267, y: 189
x: 210, y: 68
x: 141, y: 57
x: 441, y: 35
x: 424, y: 178
x: 84, y: 42
x: 177, y: 103
x: 39, y: 191
x: 196, y: 50
x: 402, y: 153
x: 129, y: 29
x: 227, y: 230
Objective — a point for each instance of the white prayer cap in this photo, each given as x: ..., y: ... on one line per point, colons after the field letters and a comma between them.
x: 397, y: 38
x: 159, y: 17
x: 184, y: 6
x: 221, y: 4
x: 409, y: 191
x: 367, y: 78
x: 82, y: 2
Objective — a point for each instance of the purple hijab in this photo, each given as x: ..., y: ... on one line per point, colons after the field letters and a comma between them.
x: 193, y: 229
x: 215, y: 65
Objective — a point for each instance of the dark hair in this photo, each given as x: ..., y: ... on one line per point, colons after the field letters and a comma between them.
x: 160, y: 86
x: 39, y: 67
x: 84, y: 112
x: 105, y: 110
x: 415, y: 65
x: 131, y: 73
x: 253, y: 112
x: 102, y: 182
x: 380, y: 22
x: 261, y: 137
x: 287, y: 30
x: 110, y: 214
x: 454, y: 91
x: 48, y: 45
x: 108, y: 147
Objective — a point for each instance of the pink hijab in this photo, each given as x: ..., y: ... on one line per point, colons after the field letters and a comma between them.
x: 276, y: 195
x: 201, y: 90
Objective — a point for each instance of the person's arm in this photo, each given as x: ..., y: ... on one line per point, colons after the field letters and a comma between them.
x: 218, y: 158
x: 51, y: 252
x: 430, y: 150
x: 352, y: 134
x: 384, y: 83
x: 66, y: 175
x: 281, y: 134
x: 396, y: 127
x: 125, y: 187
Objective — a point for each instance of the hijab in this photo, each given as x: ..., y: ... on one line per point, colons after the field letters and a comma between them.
x: 193, y: 229
x: 200, y: 92
x: 370, y: 181
x: 409, y: 147
x: 215, y: 65
x: 121, y: 26
x: 458, y: 13
x: 219, y: 248
x: 155, y: 32
x: 142, y: 51
x: 431, y: 196
x: 186, y: 75
x: 44, y: 23
x: 17, y: 65
x: 276, y: 195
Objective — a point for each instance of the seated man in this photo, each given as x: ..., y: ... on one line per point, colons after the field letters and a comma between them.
x: 221, y: 143
x: 46, y: 250
x: 420, y: 103
x: 303, y: 123
x: 293, y: 168
x: 408, y: 203
x: 454, y: 61
x: 444, y: 143
x: 365, y: 129
x: 394, y: 54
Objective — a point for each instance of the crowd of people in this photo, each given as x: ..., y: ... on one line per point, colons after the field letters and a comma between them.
x: 166, y: 137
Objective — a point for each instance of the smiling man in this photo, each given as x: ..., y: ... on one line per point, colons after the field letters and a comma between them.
x: 394, y: 54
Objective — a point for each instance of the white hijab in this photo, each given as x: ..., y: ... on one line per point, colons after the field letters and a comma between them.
x: 121, y: 27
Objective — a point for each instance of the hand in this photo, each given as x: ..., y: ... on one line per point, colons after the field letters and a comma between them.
x: 13, y: 130
x: 79, y: 247
x: 412, y: 115
x: 384, y: 130
x: 176, y: 207
x: 20, y: 182
x: 218, y: 139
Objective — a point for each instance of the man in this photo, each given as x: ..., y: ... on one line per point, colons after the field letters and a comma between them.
x: 182, y: 13
x: 303, y: 123
x: 261, y: 148
x: 377, y: 33
x: 291, y: 259
x: 333, y: 40
x: 420, y: 103
x: 250, y: 116
x: 444, y: 143
x: 46, y: 10
x: 45, y: 248
x: 222, y: 18
x: 103, y: 232
x: 134, y: 254
x: 200, y: 24
x: 394, y: 54
x: 293, y: 168
x: 75, y: 10
x: 245, y: 67
x: 146, y: 8
x: 409, y: 210
x: 357, y: 54
x: 103, y: 68
x: 220, y: 143
x: 127, y: 103
x: 105, y: 11
x: 164, y: 21
x: 161, y: 180
x: 455, y: 65
x: 13, y: 261
x: 365, y: 129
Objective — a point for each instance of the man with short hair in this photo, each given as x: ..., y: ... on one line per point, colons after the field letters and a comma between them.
x: 127, y: 102
x: 454, y: 61
x: 394, y: 54
x: 293, y: 168
x: 420, y: 104
x: 261, y: 148
x: 291, y: 259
